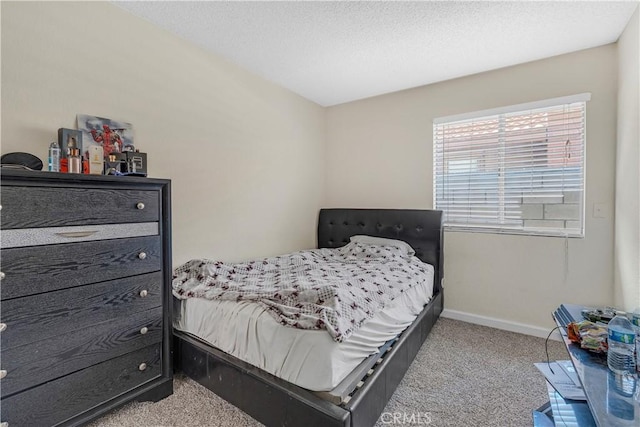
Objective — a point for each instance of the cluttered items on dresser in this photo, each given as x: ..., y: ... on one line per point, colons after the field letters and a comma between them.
x: 126, y: 163
x: 99, y: 146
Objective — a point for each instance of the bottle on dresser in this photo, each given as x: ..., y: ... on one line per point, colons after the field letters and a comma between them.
x: 75, y: 163
x: 54, y: 157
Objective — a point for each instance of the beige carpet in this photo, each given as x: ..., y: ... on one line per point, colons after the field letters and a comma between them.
x: 464, y: 375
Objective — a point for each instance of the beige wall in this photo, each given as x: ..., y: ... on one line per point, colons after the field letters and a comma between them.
x: 627, y: 233
x: 380, y: 155
x: 245, y: 156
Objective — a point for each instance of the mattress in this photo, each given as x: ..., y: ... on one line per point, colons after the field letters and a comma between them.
x: 308, y: 358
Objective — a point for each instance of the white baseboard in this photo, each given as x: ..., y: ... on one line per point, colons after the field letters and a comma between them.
x: 505, y: 325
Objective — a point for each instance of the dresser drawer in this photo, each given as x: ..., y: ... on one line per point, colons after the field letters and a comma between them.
x: 34, y: 207
x: 22, y: 237
x: 36, y: 363
x: 34, y: 270
x: 59, y: 400
x: 38, y: 317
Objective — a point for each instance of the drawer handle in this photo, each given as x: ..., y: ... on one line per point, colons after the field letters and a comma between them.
x: 76, y: 234
x: 144, y: 293
x: 1, y: 275
x: 140, y: 205
x: 3, y: 327
x: 142, y: 255
x: 142, y: 366
x: 3, y: 373
x: 144, y: 330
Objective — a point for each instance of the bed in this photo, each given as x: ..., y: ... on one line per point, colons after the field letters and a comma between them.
x: 359, y: 397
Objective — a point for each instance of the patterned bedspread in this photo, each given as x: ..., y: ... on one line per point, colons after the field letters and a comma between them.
x: 332, y: 289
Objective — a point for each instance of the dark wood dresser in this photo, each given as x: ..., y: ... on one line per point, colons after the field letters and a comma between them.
x: 85, y: 295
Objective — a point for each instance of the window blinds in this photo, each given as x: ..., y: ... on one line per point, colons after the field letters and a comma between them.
x: 514, y: 171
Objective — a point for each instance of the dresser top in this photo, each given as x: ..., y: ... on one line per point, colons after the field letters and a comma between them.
x: 57, y: 177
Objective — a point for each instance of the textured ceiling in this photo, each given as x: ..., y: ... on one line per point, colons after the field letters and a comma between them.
x: 336, y: 52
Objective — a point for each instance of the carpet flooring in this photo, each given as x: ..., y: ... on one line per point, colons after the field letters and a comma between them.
x: 464, y: 375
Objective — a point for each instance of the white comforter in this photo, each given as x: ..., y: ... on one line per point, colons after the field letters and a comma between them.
x: 332, y: 289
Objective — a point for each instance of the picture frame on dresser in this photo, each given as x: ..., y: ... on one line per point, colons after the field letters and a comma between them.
x: 85, y: 294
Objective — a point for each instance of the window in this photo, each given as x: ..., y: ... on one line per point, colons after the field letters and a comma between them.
x: 516, y: 170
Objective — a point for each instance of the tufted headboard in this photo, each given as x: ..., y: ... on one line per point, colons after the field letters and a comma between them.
x: 422, y: 229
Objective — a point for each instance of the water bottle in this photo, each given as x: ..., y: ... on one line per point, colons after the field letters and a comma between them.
x: 54, y: 157
x: 635, y: 321
x: 619, y: 389
x: 622, y: 339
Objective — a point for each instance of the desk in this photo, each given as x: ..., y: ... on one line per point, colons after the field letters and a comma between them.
x: 611, y: 398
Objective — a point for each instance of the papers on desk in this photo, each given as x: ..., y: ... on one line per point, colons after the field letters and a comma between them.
x: 562, y: 376
x: 569, y: 369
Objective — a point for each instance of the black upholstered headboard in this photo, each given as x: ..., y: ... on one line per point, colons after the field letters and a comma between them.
x: 422, y: 229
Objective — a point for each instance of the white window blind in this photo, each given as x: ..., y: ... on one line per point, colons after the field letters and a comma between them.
x: 513, y: 171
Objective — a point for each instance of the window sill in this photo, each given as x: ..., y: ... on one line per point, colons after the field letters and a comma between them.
x: 534, y: 233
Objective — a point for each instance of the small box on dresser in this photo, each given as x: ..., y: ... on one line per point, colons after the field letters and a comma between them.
x: 85, y: 295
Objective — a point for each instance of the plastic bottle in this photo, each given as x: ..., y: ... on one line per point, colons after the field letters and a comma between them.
x: 622, y: 337
x: 54, y: 157
x: 635, y: 321
x: 619, y: 389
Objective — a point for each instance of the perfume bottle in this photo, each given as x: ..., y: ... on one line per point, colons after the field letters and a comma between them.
x: 54, y: 157
x: 71, y: 143
x: 75, y: 164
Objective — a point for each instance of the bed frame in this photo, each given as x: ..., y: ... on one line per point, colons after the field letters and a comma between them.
x: 276, y: 402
